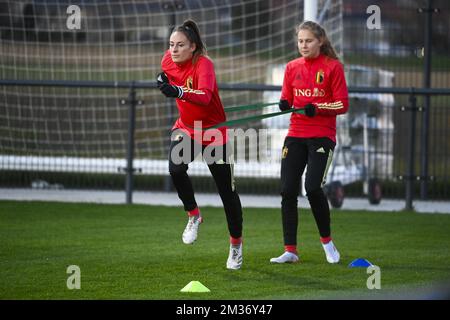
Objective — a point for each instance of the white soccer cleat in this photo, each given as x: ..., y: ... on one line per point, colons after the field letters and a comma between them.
x: 286, y: 257
x: 191, y: 230
x: 234, y: 261
x: 331, y: 252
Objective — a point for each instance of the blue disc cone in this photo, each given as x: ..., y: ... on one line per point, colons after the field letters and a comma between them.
x: 359, y: 263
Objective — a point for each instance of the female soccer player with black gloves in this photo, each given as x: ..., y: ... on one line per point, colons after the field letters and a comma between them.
x: 316, y: 83
x: 188, y: 75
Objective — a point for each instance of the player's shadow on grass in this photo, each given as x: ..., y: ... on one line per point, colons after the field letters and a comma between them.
x: 290, y: 275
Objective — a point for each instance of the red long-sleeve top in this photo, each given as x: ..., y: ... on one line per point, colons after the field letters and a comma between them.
x: 320, y: 81
x: 200, y: 100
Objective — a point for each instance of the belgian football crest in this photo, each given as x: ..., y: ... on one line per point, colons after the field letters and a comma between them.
x: 190, y: 83
x: 320, y: 76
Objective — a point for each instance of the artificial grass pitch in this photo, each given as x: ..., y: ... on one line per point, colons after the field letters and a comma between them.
x: 136, y: 252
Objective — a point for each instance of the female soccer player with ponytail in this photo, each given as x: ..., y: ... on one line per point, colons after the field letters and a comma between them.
x: 188, y: 76
x: 316, y: 83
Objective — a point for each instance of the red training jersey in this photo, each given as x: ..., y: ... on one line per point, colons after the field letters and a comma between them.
x: 320, y: 81
x: 200, y: 100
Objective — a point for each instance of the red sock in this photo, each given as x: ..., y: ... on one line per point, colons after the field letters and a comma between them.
x: 235, y: 241
x: 194, y: 212
x: 290, y: 248
x: 325, y: 240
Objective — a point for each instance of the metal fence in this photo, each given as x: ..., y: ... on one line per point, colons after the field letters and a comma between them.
x: 377, y: 140
x: 95, y: 134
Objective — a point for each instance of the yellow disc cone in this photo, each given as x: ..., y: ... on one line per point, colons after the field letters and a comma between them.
x: 195, y: 286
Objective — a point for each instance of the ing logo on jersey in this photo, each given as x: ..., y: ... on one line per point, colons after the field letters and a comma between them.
x: 315, y: 92
x: 190, y: 83
x: 320, y: 75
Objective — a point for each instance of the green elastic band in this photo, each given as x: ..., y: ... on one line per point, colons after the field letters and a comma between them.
x: 251, y: 118
x: 249, y: 107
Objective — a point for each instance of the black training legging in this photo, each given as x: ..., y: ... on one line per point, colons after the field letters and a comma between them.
x: 222, y: 172
x: 316, y: 153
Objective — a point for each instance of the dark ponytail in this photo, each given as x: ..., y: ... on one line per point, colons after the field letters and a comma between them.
x: 190, y: 29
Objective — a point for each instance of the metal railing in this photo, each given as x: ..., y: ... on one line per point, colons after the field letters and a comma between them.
x: 409, y: 177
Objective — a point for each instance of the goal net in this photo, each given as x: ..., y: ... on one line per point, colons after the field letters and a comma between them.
x: 84, y: 129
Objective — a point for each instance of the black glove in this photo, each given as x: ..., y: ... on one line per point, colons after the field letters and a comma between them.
x: 171, y: 91
x: 310, y: 110
x: 161, y: 78
x: 284, y: 105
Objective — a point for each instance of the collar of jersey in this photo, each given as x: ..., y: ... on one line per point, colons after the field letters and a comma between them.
x: 311, y: 61
x: 185, y: 64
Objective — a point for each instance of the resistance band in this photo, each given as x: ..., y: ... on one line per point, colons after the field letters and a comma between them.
x: 249, y: 107
x: 252, y: 118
